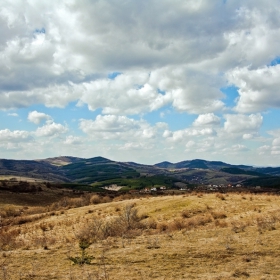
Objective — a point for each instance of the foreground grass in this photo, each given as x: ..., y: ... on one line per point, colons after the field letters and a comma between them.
x: 195, y: 236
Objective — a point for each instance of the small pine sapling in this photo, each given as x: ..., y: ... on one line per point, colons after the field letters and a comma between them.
x: 84, y: 258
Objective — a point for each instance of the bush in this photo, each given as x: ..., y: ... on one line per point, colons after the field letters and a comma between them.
x: 95, y: 199
x: 218, y: 215
x: 8, y: 238
x: 220, y: 196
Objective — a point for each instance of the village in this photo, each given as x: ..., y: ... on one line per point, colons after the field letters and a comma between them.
x: 182, y: 187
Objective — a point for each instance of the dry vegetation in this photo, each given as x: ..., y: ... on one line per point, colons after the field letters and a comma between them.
x: 192, y: 236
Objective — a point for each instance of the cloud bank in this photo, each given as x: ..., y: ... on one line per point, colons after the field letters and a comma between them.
x: 120, y: 78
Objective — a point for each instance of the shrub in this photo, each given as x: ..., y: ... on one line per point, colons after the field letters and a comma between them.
x: 163, y: 226
x: 129, y: 217
x: 150, y: 224
x: 95, y: 199
x: 177, y: 224
x: 265, y: 223
x: 220, y: 196
x: 8, y: 238
x: 218, y: 215
x: 222, y: 224
x: 238, y: 226
x: 190, y: 213
x: 199, y: 220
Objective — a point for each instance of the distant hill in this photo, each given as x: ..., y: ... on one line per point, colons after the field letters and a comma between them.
x: 104, y: 171
x: 196, y: 163
x: 32, y: 168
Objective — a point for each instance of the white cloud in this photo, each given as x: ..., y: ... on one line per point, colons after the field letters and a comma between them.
x: 274, y: 132
x: 239, y: 148
x: 51, y: 129
x: 275, y: 149
x: 57, y: 54
x: 207, y: 119
x: 15, y: 136
x: 243, y: 124
x: 52, y: 96
x: 118, y: 127
x: 127, y: 94
x: 258, y: 88
x: 248, y: 136
x: 108, y: 123
x: 263, y: 149
x: 168, y: 52
x: 186, y: 91
x: 185, y: 134
x: 37, y: 117
x: 136, y: 146
x: 73, y: 140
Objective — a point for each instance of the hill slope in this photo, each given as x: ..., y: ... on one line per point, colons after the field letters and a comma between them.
x: 210, y: 236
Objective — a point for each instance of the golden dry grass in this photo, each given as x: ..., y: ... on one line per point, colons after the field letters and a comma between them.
x: 196, y: 236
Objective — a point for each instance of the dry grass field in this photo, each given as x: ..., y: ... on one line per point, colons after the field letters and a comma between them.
x: 191, y: 236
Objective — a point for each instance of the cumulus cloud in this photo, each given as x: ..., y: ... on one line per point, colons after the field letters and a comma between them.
x: 51, y: 129
x: 264, y: 149
x: 185, y: 134
x: 73, y: 140
x: 275, y: 150
x: 258, y: 88
x: 37, y: 117
x: 57, y: 54
x: 275, y: 133
x: 126, y: 94
x: 51, y: 96
x: 186, y: 91
x: 37, y: 44
x: 207, y: 119
x: 118, y: 127
x: 169, y: 49
x: 239, y: 148
x: 243, y: 124
x: 136, y: 146
x: 15, y: 136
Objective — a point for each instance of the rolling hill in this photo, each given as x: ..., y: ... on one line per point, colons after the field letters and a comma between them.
x: 99, y: 171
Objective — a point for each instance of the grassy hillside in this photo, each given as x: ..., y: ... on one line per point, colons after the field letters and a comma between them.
x: 191, y: 236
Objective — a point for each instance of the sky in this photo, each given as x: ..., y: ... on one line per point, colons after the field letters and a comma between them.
x: 144, y: 81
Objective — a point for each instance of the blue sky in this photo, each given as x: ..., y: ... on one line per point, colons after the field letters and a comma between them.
x: 108, y: 78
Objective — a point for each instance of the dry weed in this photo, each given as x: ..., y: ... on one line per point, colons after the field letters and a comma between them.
x: 220, y: 196
x: 218, y: 215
